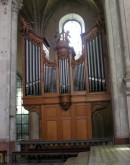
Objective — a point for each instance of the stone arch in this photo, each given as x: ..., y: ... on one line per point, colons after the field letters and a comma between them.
x: 69, y: 17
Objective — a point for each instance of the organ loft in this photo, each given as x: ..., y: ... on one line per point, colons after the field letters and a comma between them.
x: 65, y: 93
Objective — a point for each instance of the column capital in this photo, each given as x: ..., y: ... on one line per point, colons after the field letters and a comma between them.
x: 17, y: 5
x: 4, y: 2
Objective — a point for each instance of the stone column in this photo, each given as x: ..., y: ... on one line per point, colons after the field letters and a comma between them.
x: 117, y: 69
x: 127, y: 81
x: 34, y: 125
x: 8, y: 50
x: 124, y: 7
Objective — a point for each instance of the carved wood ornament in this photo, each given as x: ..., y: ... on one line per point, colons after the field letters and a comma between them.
x: 65, y: 106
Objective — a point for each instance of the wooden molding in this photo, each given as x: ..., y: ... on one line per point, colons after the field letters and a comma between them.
x: 99, y: 105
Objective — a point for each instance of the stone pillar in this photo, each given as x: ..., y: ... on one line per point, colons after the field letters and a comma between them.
x: 127, y: 81
x: 34, y: 125
x: 8, y: 51
x: 117, y: 69
x: 124, y: 7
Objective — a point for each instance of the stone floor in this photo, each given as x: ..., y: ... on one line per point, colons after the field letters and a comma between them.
x: 110, y: 155
x: 99, y: 155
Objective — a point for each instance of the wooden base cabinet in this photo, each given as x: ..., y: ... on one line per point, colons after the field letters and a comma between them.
x: 73, y: 124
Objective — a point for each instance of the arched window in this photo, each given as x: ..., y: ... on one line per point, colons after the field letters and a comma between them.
x: 75, y: 36
x: 75, y: 25
x: 22, y: 117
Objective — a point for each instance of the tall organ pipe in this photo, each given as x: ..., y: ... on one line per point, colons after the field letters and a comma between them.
x: 84, y: 77
x: 27, y: 67
x: 39, y: 71
x: 95, y: 64
x: 92, y: 67
x: 30, y: 60
x: 34, y: 73
x: 63, y: 76
x: 89, y: 66
x: 60, y: 74
x: 101, y: 60
x: 98, y: 64
x: 68, y: 75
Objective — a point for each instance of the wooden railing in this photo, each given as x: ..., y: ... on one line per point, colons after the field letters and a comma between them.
x: 42, y: 151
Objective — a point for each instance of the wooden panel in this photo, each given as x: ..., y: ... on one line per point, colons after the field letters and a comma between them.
x: 82, y: 110
x: 65, y: 113
x: 52, y: 130
x: 81, y: 129
x: 51, y: 112
x: 66, y: 129
x: 58, y: 124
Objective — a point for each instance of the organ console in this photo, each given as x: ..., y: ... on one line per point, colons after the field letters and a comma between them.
x: 65, y: 84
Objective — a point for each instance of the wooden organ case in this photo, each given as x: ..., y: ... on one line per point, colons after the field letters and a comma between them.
x: 65, y: 92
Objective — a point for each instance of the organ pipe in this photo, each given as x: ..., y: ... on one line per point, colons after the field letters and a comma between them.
x: 101, y: 60
x: 30, y: 66
x: 92, y: 66
x: 39, y: 71
x: 26, y: 68
x: 98, y: 65
x: 34, y: 73
x: 95, y: 62
x: 89, y: 67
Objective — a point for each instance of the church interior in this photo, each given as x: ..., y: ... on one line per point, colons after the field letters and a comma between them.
x: 65, y: 77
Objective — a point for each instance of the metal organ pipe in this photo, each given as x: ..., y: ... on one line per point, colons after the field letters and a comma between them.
x: 60, y: 75
x: 39, y: 71
x: 101, y: 61
x: 95, y: 64
x: 68, y: 75
x: 30, y: 64
x: 98, y: 64
x: 66, y: 71
x: 92, y: 66
x: 84, y: 77
x: 34, y: 73
x: 89, y: 66
x: 44, y: 75
x: 27, y: 68
x: 63, y: 76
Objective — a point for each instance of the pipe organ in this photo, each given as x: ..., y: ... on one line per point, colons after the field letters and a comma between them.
x: 79, y: 74
x: 64, y: 75
x: 65, y: 92
x: 32, y: 66
x: 49, y: 77
x: 96, y: 73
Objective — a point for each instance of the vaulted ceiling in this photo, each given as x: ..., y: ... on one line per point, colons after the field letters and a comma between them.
x: 39, y: 11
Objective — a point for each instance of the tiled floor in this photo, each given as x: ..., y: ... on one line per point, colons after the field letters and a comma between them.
x: 81, y: 159
x: 110, y: 155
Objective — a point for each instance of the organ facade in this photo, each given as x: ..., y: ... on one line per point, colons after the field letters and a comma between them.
x: 65, y: 93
